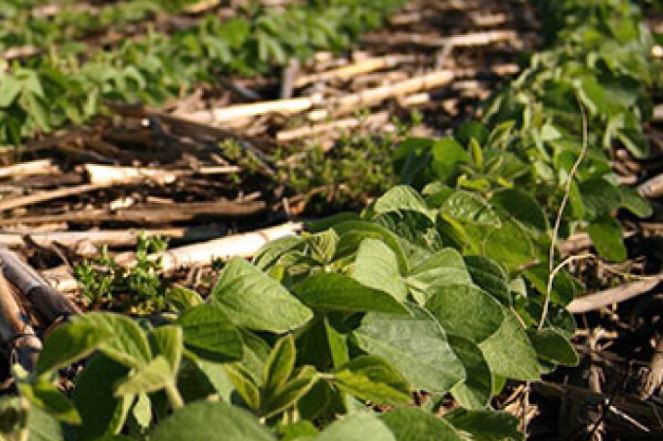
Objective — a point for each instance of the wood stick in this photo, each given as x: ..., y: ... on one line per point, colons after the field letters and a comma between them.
x: 462, y: 40
x: 230, y: 113
x: 241, y: 245
x: 50, y: 303
x: 610, y: 296
x: 152, y: 214
x: 115, y: 175
x: 658, y: 113
x: 112, y: 238
x: 30, y: 168
x: 371, y: 97
x: 43, y: 196
x: 652, y: 188
x: 15, y: 331
x: 361, y: 67
x: 341, y: 124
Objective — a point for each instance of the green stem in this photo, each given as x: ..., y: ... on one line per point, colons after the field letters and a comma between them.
x: 174, y: 396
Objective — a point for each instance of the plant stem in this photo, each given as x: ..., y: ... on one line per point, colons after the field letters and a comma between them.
x: 174, y: 396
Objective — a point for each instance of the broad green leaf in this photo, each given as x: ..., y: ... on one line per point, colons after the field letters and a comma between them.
x: 447, y: 153
x: 210, y: 334
x: 523, y: 207
x: 182, y: 298
x: 299, y: 431
x: 370, y: 378
x: 102, y: 412
x: 489, y: 276
x: 472, y: 130
x: 486, y: 425
x: 289, y: 393
x: 599, y: 197
x: 323, y: 245
x: 466, y: 310
x: 168, y: 341
x: 509, y: 352
x: 606, y: 235
x: 69, y: 343
x: 468, y: 207
x: 337, y: 341
x: 336, y: 292
x: 417, y: 234
x: 353, y: 233
x: 244, y: 384
x: 552, y: 346
x: 475, y: 390
x: 565, y: 287
x: 357, y: 427
x: 376, y: 267
x: 633, y: 202
x: 47, y: 397
x: 509, y: 245
x: 43, y: 427
x: 207, y: 421
x: 10, y: 88
x: 243, y: 291
x: 445, y: 267
x: 280, y: 363
x: 129, y: 344
x: 152, y: 377
x: 269, y: 254
x: 414, y: 424
x: 401, y: 198
x: 414, y: 344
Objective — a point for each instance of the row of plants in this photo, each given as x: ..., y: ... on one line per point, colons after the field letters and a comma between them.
x: 49, y: 92
x: 371, y: 325
x: 21, y: 26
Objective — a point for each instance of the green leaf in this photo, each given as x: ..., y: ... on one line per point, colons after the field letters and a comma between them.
x: 599, y: 197
x: 552, y: 346
x: 466, y: 310
x: 280, y: 363
x: 357, y: 427
x: 486, y: 425
x: 244, y: 384
x: 47, y: 397
x: 474, y: 392
x: 181, y: 298
x: 468, y: 207
x: 633, y: 202
x: 447, y: 155
x: 210, y: 334
x: 168, y: 341
x: 353, y: 233
x: 523, y: 207
x: 489, y: 276
x: 129, y: 344
x: 243, y: 291
x: 289, y: 393
x: 414, y: 344
x: 152, y: 377
x: 43, y: 427
x: 10, y: 87
x: 376, y: 267
x: 445, y: 267
x: 142, y: 411
x: 401, y: 198
x: 606, y: 235
x: 509, y: 245
x: 299, y: 431
x: 370, y: 378
x: 102, y: 412
x: 509, y: 352
x: 207, y: 421
x: 335, y: 292
x: 414, y: 424
x: 69, y: 343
